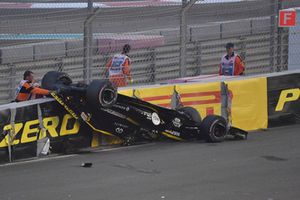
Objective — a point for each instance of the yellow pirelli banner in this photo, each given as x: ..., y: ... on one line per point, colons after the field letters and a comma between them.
x: 205, y: 97
x: 161, y: 95
x: 248, y: 107
x: 126, y: 92
x: 249, y: 103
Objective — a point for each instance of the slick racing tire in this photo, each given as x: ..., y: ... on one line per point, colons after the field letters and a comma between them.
x: 53, y: 79
x: 192, y: 113
x: 214, y: 128
x: 101, y: 93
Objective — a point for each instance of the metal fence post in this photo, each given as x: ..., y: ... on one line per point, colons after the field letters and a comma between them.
x: 11, y: 134
x: 224, y: 100
x: 279, y: 42
x: 153, y: 65
x: 183, y: 32
x: 285, y: 49
x: 279, y: 50
x: 87, y: 44
x: 12, y: 85
x: 183, y: 27
x: 198, y: 58
x: 243, y: 48
x: 59, y: 65
x: 273, y: 29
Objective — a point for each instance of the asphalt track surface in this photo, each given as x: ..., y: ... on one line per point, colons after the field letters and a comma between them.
x: 265, y: 167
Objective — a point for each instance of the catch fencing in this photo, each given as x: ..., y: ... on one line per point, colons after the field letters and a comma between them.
x: 79, y: 38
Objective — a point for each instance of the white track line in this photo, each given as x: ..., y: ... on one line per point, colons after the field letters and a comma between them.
x: 37, y: 160
x: 71, y: 155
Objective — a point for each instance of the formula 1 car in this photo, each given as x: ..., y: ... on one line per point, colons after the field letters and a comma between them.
x: 105, y: 111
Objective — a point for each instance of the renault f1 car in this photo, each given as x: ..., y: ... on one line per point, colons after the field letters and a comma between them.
x: 131, y: 119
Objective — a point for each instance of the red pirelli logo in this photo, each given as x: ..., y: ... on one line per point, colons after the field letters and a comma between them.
x: 158, y: 98
x: 205, y: 98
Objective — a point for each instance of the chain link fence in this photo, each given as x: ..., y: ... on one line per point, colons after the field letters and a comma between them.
x: 79, y: 37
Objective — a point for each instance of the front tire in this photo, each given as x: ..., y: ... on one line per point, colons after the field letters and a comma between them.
x: 101, y: 92
x: 214, y: 128
x: 53, y: 80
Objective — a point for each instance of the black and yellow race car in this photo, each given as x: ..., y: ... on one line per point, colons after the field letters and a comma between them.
x: 133, y: 120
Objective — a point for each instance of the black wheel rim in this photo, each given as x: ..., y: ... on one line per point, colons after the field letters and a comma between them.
x: 108, y: 96
x: 219, y: 131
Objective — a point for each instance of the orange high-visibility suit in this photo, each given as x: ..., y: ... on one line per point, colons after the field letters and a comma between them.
x: 231, y: 65
x: 119, y: 70
x: 25, y: 91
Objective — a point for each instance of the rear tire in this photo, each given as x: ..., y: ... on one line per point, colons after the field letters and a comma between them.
x: 214, y: 128
x: 192, y: 113
x: 101, y: 93
x: 53, y: 79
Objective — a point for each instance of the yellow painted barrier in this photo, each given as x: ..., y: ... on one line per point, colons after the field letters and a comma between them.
x: 249, y: 99
x: 249, y: 103
x: 126, y: 92
x: 205, y: 97
x: 156, y: 95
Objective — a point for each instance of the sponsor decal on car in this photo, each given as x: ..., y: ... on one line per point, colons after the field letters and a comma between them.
x: 172, y: 134
x: 155, y: 119
x: 121, y: 125
x: 126, y: 108
x: 119, y: 130
x: 112, y: 112
x: 85, y: 116
x: 175, y: 133
x: 147, y: 114
x: 177, y: 122
x: 61, y: 102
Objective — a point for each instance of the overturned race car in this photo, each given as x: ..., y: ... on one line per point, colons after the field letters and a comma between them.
x: 133, y: 120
